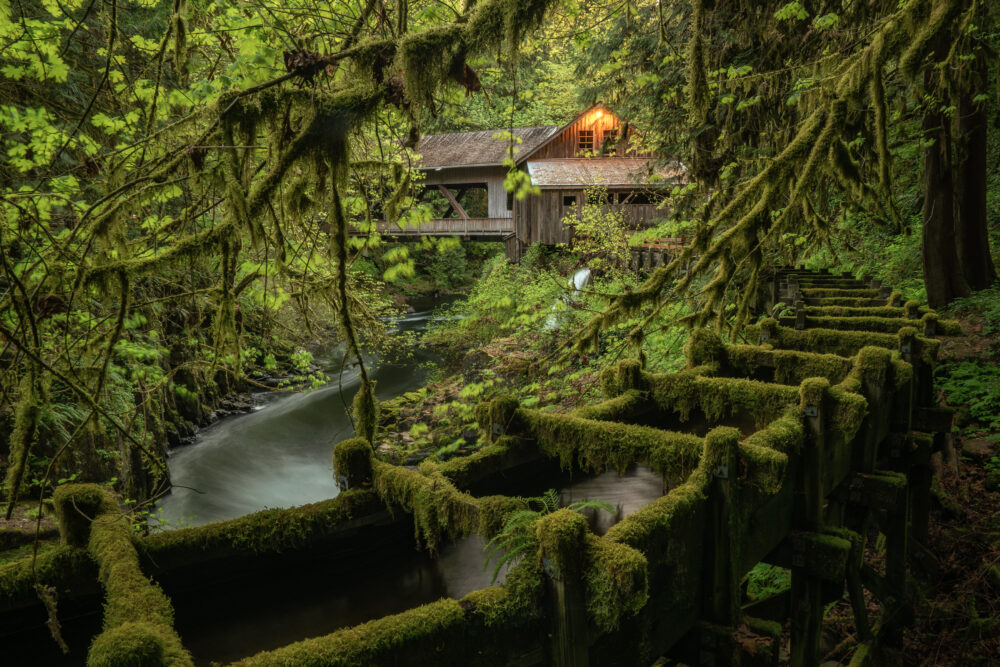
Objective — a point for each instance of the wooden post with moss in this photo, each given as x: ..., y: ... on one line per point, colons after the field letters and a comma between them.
x: 76, y: 507
x: 562, y: 542
x: 723, y: 590
x: 352, y: 464
x: 807, y: 589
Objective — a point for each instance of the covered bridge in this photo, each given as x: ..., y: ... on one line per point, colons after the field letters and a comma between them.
x: 465, y: 171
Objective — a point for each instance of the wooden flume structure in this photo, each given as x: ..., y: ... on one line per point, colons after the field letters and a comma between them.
x: 794, y: 449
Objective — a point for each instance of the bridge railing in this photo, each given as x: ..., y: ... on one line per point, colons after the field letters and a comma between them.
x: 450, y: 227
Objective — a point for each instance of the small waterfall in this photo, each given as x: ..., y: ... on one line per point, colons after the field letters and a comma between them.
x: 580, y: 279
x: 576, y: 283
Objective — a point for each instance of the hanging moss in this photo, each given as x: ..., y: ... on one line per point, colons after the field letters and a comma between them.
x: 33, y: 399
x: 64, y: 568
x: 440, y: 511
x: 365, y: 410
x: 425, y: 59
x: 616, y: 582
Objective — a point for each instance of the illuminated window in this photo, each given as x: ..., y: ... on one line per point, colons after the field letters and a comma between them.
x: 586, y: 140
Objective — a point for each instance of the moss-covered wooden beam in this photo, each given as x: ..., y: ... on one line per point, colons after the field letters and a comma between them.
x: 594, y: 445
x: 440, y: 511
x: 138, y: 616
x: 267, y: 531
x: 929, y: 322
x: 832, y: 341
x: 67, y: 569
x: 496, y: 625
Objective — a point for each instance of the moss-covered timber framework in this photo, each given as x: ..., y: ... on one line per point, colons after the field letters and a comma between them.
x: 785, y: 450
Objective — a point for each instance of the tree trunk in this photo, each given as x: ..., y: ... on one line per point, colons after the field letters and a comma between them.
x: 971, y: 237
x: 942, y: 272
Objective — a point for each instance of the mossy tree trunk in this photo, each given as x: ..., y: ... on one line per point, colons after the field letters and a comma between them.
x: 943, y: 277
x: 971, y: 234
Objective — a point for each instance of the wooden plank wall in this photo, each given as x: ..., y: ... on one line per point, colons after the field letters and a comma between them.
x: 538, y: 218
x: 567, y: 143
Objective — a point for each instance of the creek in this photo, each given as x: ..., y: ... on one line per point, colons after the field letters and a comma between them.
x: 280, y: 456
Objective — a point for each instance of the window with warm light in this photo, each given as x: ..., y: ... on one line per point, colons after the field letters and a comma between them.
x: 586, y: 140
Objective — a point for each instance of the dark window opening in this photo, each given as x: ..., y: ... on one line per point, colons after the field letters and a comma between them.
x: 473, y: 198
x: 586, y: 140
x: 569, y: 200
x: 638, y: 198
x: 510, y: 201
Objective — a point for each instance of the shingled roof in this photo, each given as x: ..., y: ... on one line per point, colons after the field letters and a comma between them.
x: 477, y: 149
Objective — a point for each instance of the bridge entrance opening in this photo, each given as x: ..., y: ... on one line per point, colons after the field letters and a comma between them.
x: 458, y: 200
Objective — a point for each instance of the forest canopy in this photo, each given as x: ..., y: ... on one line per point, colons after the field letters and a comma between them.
x: 185, y: 182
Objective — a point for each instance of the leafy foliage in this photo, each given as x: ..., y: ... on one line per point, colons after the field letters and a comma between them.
x: 516, y: 539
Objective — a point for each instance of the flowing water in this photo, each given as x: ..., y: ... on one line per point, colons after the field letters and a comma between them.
x: 280, y: 455
x: 312, y: 594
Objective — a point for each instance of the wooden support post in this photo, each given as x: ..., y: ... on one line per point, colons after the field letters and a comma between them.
x: 352, y: 464
x: 800, y: 316
x: 919, y: 482
x: 723, y: 604
x: 895, y: 605
x: 807, y: 590
x: 562, y: 536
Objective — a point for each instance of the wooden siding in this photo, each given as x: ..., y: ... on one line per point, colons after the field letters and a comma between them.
x: 492, y: 176
x: 538, y: 218
x: 567, y: 142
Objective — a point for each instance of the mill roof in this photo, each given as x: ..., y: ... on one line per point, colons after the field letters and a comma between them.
x: 609, y: 172
x: 477, y: 149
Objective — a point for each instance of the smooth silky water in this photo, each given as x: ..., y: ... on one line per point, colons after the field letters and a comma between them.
x: 280, y: 455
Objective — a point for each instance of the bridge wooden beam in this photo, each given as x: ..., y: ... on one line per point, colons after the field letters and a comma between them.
x: 454, y: 202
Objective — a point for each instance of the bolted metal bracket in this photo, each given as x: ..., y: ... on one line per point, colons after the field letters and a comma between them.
x: 722, y: 472
x: 905, y: 348
x: 497, y: 429
x: 811, y: 411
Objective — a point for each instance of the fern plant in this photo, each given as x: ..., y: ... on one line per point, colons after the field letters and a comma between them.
x: 516, y: 538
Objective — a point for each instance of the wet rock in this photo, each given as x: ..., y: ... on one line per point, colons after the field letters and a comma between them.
x: 980, y: 449
x: 474, y: 363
